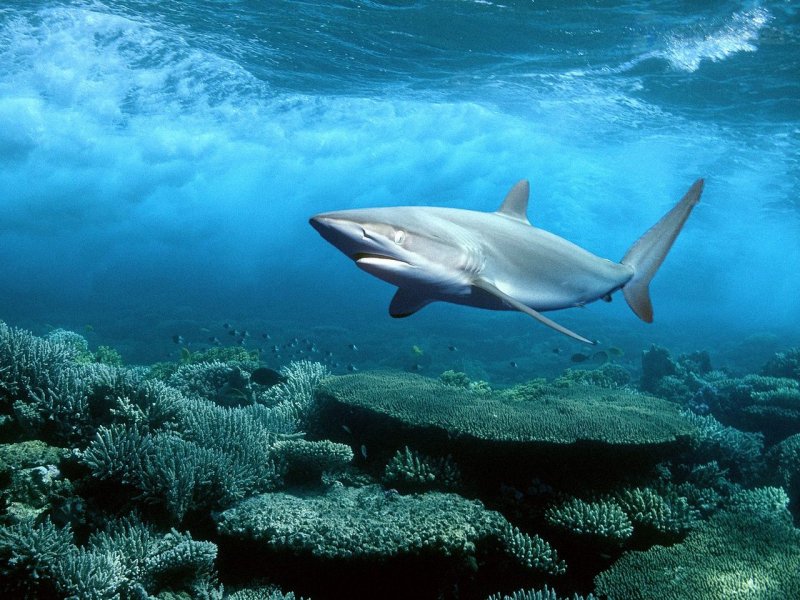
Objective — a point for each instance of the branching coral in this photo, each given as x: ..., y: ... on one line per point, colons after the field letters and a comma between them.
x: 546, y: 593
x: 531, y: 552
x: 409, y: 470
x: 604, y: 519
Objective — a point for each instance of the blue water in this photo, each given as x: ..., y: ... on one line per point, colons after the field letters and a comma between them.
x: 159, y: 162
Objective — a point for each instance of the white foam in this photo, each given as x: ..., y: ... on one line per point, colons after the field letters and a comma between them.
x: 686, y: 52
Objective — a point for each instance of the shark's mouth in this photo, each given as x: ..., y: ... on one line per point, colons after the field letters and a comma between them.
x: 364, y: 255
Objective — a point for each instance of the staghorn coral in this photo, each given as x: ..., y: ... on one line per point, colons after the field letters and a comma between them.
x: 602, y: 520
x: 221, y: 456
x: 409, y: 470
x: 366, y: 523
x: 749, y: 550
x: 28, y: 557
x: 302, y: 379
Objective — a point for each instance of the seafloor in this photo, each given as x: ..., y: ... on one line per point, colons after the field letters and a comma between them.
x: 212, y: 477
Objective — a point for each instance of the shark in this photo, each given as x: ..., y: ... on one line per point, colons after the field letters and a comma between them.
x: 497, y: 260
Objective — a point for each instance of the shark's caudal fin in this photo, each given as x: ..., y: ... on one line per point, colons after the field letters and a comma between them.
x: 649, y: 251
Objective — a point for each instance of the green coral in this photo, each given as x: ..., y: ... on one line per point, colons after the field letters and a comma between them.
x: 608, y: 375
x: 747, y: 551
x: 561, y: 415
x: 604, y: 519
x: 366, y: 523
x: 409, y: 470
x: 461, y: 380
x: 31, y: 453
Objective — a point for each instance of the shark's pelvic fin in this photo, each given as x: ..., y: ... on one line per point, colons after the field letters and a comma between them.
x: 515, y: 205
x: 494, y: 291
x: 406, y: 302
x: 649, y: 251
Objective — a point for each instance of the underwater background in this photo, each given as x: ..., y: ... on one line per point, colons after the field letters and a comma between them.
x: 159, y: 162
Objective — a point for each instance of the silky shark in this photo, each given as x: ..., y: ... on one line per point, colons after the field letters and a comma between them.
x: 497, y: 260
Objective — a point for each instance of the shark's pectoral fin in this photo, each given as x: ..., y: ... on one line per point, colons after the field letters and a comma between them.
x: 512, y: 302
x: 406, y: 302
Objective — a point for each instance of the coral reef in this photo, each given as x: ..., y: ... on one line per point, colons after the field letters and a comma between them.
x: 121, y: 482
x: 748, y: 550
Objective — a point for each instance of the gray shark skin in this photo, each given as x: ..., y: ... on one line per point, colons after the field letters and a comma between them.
x: 498, y: 260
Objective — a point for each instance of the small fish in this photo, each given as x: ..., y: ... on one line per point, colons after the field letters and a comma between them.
x: 353, y: 347
x: 352, y: 368
x: 267, y: 377
x: 364, y: 451
x: 452, y: 348
x: 513, y: 364
x: 614, y: 351
x: 417, y: 351
x: 415, y: 367
x: 214, y: 340
x: 245, y: 333
x: 178, y: 339
x: 226, y: 325
x: 205, y: 330
x: 266, y: 336
x: 600, y: 356
x: 556, y: 350
x: 233, y: 333
x: 347, y: 430
x: 579, y: 357
x: 88, y: 328
x: 186, y: 354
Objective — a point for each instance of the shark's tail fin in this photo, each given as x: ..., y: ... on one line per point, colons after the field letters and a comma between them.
x: 649, y: 251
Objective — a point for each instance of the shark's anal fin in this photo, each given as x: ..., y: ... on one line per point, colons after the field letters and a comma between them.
x: 406, y: 302
x: 494, y: 291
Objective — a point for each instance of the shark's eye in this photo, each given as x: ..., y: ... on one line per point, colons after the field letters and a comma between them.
x: 399, y: 236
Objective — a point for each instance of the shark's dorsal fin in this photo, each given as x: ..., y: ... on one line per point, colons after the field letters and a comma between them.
x: 515, y: 205
x: 514, y: 303
x: 406, y: 302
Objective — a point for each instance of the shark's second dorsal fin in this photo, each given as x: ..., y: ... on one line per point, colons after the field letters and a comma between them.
x: 515, y: 205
